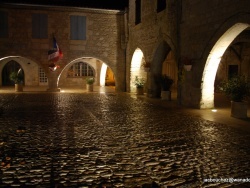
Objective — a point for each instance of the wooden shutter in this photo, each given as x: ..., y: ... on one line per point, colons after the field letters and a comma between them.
x: 43, y: 26
x: 3, y: 24
x: 77, y: 27
x: 39, y: 26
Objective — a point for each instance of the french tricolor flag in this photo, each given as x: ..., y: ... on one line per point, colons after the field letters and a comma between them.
x: 55, y: 54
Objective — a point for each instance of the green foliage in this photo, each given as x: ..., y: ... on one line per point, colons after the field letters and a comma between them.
x: 90, y: 80
x: 139, y: 82
x: 166, y: 82
x: 16, y: 77
x: 237, y: 88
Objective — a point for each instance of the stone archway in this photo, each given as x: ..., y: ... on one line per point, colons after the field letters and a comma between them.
x: 11, y: 66
x: 156, y: 69
x: 99, y: 69
x: 212, y: 62
x: 30, y: 69
x: 136, y: 68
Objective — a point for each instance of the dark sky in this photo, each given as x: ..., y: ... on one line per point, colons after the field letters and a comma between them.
x: 103, y: 4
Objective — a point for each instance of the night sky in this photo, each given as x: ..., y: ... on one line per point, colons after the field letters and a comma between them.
x: 103, y: 4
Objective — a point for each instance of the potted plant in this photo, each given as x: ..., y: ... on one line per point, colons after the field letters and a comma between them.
x: 237, y: 89
x: 90, y: 81
x: 139, y: 83
x: 166, y: 83
x: 17, y: 78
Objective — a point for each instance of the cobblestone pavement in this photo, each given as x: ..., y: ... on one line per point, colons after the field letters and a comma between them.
x: 114, y: 140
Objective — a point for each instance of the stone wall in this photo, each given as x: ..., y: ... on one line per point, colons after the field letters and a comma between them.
x: 189, y: 29
x: 155, y: 29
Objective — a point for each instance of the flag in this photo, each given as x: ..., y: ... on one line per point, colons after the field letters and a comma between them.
x: 55, y: 54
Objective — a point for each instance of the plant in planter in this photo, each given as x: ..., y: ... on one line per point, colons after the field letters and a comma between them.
x: 90, y: 81
x: 166, y: 83
x: 17, y: 78
x: 139, y: 83
x: 237, y: 89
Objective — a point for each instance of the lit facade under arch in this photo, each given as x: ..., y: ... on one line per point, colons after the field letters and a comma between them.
x: 213, y: 60
x: 80, y: 69
x: 136, y: 68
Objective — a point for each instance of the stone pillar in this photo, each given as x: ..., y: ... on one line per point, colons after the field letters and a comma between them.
x: 149, y: 85
x: 154, y: 87
x: 52, y: 78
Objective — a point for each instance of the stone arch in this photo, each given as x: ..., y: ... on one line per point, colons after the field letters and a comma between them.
x: 29, y: 66
x: 9, y: 67
x: 99, y: 72
x: 136, y: 68
x: 213, y: 60
x: 160, y: 55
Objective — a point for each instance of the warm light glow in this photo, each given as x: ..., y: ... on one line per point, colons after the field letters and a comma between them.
x: 103, y: 74
x: 213, y: 60
x: 214, y: 110
x: 135, y: 69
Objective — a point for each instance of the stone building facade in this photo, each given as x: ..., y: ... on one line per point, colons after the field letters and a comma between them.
x: 209, y: 31
x: 211, y: 35
x: 103, y: 44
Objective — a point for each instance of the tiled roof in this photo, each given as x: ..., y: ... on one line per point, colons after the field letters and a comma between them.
x: 100, y: 4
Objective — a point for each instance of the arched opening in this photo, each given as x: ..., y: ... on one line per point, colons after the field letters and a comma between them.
x: 35, y: 74
x: 75, y: 73
x: 107, y: 77
x: 136, y: 69
x: 212, y: 63
x: 11, y: 66
x: 169, y: 67
x: 163, y: 63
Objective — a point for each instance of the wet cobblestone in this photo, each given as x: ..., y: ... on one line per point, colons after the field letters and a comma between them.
x: 113, y: 140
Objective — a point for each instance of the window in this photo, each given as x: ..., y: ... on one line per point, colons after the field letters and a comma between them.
x: 137, y: 12
x: 3, y: 24
x: 42, y: 76
x: 161, y: 5
x: 80, y: 69
x: 78, y: 27
x: 39, y: 26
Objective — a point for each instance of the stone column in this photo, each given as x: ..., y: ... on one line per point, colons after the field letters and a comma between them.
x: 149, y: 85
x: 53, y: 86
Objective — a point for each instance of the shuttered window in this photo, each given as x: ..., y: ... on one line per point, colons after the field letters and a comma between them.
x: 78, y: 27
x: 39, y: 26
x: 3, y: 24
x: 137, y: 12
